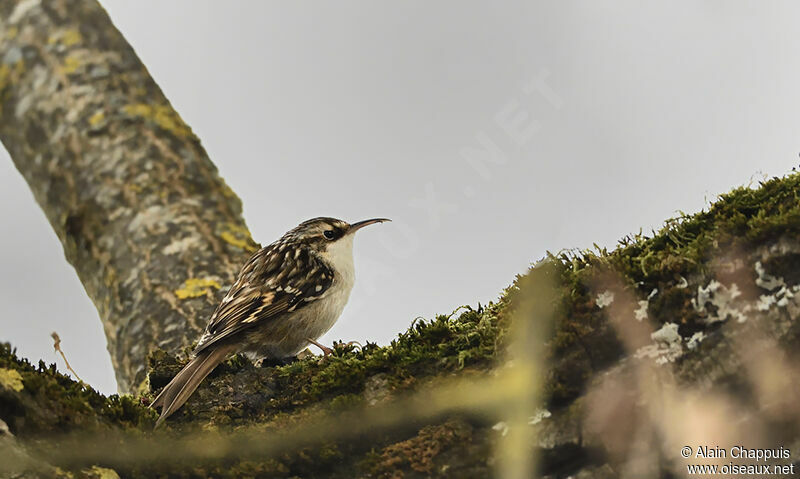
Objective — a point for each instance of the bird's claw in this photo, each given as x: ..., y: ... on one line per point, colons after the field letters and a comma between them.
x: 353, y: 343
x: 326, y: 351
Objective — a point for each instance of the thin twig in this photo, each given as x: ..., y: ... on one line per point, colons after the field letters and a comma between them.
x: 57, y: 347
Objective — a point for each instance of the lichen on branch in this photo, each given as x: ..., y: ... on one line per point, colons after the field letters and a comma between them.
x: 140, y: 209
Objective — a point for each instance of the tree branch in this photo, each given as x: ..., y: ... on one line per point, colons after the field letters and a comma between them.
x: 152, y: 230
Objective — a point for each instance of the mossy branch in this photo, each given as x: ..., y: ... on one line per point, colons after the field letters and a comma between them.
x: 629, y: 357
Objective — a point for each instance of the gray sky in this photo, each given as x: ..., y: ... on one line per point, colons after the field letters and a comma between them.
x: 604, y: 117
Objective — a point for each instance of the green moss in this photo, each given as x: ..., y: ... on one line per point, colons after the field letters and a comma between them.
x: 739, y: 219
x: 51, y: 402
x: 346, y: 402
x: 447, y: 343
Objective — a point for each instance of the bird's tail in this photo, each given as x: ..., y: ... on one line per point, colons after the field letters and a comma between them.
x: 186, y: 381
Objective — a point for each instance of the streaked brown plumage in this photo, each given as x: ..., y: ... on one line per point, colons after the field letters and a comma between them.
x: 286, y: 295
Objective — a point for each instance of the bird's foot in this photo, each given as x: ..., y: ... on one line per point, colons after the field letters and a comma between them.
x: 349, y: 344
x: 326, y: 351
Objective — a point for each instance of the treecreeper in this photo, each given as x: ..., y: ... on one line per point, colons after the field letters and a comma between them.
x: 285, y: 297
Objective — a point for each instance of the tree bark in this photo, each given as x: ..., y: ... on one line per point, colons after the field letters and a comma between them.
x: 152, y: 230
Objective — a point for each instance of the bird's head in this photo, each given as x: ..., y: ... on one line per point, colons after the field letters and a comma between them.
x: 325, y: 234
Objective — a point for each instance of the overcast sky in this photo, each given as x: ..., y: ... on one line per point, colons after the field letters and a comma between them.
x: 603, y: 118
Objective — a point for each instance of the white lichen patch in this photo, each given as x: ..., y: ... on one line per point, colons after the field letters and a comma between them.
x: 604, y: 299
x: 667, y: 345
x: 765, y: 280
x: 172, y: 327
x: 725, y: 302
x: 779, y: 298
x: 501, y: 427
x: 765, y: 301
x: 166, y: 343
x: 719, y: 302
x: 539, y: 416
x: 785, y: 294
x: 668, y: 334
x: 640, y: 314
x: 21, y: 9
x: 182, y: 245
x: 695, y: 340
x: 156, y: 219
x: 148, y: 218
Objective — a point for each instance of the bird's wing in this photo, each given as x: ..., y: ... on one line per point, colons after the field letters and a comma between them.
x: 277, y: 279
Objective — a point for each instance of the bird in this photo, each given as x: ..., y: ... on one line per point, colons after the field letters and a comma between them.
x: 287, y: 295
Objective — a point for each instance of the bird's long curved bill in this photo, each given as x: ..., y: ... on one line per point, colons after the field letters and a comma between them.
x: 360, y: 224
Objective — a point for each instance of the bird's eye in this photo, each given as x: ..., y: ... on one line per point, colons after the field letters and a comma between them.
x: 328, y: 234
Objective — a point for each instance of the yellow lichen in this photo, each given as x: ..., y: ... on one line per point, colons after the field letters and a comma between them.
x: 71, y: 37
x: 238, y: 236
x: 11, y: 379
x: 138, y: 109
x: 5, y: 72
x: 71, y: 64
x: 60, y: 473
x: 138, y: 92
x: 9, y: 75
x: 66, y: 37
x: 97, y: 472
x: 19, y: 68
x: 195, y: 287
x: 11, y: 33
x: 98, y: 117
x: 162, y: 115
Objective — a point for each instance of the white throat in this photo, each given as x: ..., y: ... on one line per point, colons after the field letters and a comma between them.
x: 340, y: 256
